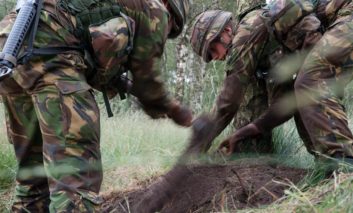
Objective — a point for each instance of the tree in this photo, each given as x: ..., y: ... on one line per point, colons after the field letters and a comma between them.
x: 6, y: 6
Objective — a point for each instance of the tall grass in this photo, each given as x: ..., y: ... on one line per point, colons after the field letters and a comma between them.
x: 7, y: 166
x: 289, y: 147
x: 134, y: 148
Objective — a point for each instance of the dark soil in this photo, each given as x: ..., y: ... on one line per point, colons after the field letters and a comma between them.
x: 209, y: 188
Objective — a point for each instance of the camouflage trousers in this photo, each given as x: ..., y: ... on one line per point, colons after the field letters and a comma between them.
x: 56, y: 141
x: 326, y: 71
x: 55, y: 131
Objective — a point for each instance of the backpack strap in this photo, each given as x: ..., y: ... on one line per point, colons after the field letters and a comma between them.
x: 245, y: 12
x: 106, y: 102
x: 30, y: 51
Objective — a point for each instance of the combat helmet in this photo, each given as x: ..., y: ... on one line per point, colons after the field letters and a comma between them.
x: 207, y: 26
x: 180, y: 10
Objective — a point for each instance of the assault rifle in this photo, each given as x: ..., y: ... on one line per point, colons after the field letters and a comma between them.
x: 25, y: 26
x: 27, y: 17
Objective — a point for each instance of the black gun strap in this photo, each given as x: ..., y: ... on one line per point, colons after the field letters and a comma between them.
x: 30, y: 51
x: 106, y: 102
x: 33, y: 33
x: 55, y: 50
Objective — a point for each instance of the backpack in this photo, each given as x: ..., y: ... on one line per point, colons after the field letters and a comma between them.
x: 107, y: 37
x: 282, y: 15
x: 287, y: 24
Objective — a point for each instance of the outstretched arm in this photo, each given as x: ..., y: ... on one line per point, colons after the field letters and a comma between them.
x: 282, y: 108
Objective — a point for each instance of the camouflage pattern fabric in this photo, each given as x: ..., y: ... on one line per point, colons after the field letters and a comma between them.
x: 53, y: 123
x: 254, y: 104
x: 255, y: 98
x: 110, y: 42
x: 242, y: 61
x: 328, y: 11
x: 204, y: 33
x: 253, y: 49
x: 180, y: 10
x: 322, y: 122
x: 53, y: 116
x: 146, y: 57
x: 319, y: 88
x: 284, y: 14
x: 55, y: 154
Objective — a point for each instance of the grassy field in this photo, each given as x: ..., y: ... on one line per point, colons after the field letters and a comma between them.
x: 136, y: 148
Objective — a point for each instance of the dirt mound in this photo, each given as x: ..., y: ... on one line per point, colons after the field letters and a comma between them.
x: 213, y: 188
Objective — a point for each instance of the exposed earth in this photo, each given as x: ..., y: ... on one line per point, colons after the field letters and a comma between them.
x: 193, y: 186
x: 208, y: 188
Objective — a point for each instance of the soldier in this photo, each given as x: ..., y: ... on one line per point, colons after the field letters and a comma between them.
x: 252, y: 46
x: 251, y: 52
x: 52, y: 118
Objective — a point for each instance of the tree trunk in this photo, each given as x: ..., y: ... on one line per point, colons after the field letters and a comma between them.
x: 198, y: 83
x: 181, y: 65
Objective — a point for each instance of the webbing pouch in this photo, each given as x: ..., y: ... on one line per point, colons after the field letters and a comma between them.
x: 95, y: 16
x: 75, y: 7
x: 284, y: 14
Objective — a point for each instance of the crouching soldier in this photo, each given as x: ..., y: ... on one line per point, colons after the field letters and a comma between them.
x: 251, y: 51
x: 265, y: 40
x: 52, y: 118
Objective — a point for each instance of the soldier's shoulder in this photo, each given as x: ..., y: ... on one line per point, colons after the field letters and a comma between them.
x: 253, y: 17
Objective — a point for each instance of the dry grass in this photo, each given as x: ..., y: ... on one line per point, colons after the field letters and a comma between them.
x: 334, y: 195
x: 136, y: 149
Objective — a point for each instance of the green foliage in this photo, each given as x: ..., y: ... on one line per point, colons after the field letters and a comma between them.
x: 290, y: 147
x: 8, y: 166
x: 334, y: 195
x: 135, y: 147
x: 6, y: 6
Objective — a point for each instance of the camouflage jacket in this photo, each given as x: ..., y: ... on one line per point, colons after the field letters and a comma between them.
x: 249, y: 53
x: 55, y: 29
x: 331, y: 12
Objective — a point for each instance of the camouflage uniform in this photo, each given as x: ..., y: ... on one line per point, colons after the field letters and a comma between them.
x: 52, y: 117
x: 321, y: 120
x: 253, y: 50
x: 323, y: 73
x: 322, y: 78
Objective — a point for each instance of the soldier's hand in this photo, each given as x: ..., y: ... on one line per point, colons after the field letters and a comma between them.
x: 228, y: 145
x: 181, y: 115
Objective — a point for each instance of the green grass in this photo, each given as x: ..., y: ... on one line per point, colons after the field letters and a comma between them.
x: 136, y: 148
x: 290, y: 148
x: 334, y: 196
x: 7, y: 167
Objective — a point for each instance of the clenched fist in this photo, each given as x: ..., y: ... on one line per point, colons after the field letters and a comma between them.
x: 248, y: 131
x: 181, y: 115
